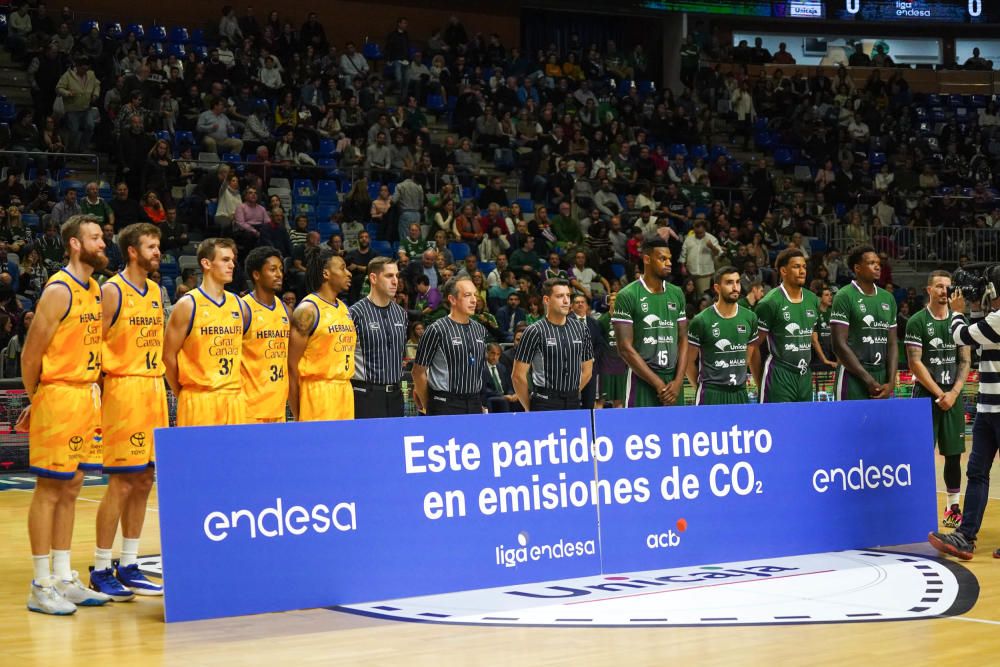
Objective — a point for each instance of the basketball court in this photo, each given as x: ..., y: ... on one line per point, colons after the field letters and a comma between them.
x: 895, y: 605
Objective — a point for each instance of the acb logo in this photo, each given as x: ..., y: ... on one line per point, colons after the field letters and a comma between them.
x: 665, y: 540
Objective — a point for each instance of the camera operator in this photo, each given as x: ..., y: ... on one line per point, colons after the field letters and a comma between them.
x: 986, y: 430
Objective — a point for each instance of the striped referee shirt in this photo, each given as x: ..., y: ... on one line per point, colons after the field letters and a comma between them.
x: 986, y: 334
x: 454, y: 355
x: 381, y: 339
x: 556, y: 353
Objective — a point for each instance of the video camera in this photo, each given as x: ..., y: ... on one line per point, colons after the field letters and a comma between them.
x: 976, y: 282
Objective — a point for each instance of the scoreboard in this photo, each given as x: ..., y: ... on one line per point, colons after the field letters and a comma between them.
x: 880, y: 11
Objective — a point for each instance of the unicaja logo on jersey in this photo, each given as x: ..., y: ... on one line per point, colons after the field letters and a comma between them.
x: 723, y: 345
x: 936, y: 343
x: 793, y: 328
x: 524, y: 553
x: 868, y: 320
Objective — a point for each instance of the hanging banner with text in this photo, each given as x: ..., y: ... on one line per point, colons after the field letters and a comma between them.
x: 315, y: 514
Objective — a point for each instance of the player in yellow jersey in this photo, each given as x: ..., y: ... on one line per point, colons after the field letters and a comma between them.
x: 133, y: 322
x: 265, y: 344
x: 203, y: 344
x: 60, y: 366
x: 321, y: 348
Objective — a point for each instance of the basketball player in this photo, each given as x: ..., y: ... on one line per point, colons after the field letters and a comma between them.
x: 724, y: 343
x: 133, y: 375
x: 321, y: 347
x: 863, y: 319
x: 60, y: 365
x: 940, y: 369
x: 786, y: 320
x: 612, y: 376
x: 203, y: 344
x: 651, y: 330
x: 265, y: 344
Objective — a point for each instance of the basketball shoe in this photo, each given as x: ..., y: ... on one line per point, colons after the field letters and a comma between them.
x: 133, y: 579
x: 952, y: 517
x: 954, y: 544
x: 45, y: 599
x: 106, y: 582
x: 74, y: 591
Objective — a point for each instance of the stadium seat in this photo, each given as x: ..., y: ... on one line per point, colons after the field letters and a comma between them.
x: 113, y: 31
x: 162, y: 134
x: 32, y: 221
x: 646, y: 87
x: 182, y: 137
x: 69, y: 184
x: 699, y: 151
x: 197, y: 37
x: 372, y: 51
x: 877, y: 159
x: 327, y: 147
x: 382, y: 248
x: 373, y: 189
x: 232, y: 157
x: 177, y: 50
x: 87, y: 26
x: 137, y: 30
x: 156, y: 33
x: 179, y: 35
x: 618, y: 270
x: 977, y: 101
x: 8, y: 113
x: 436, y: 104
x: 327, y: 229
x: 325, y: 211
x: 459, y: 250
x: 527, y: 206
x: 302, y: 208
x: 156, y: 49
x: 201, y: 51
x: 304, y: 191
x: 372, y: 229
x: 328, y: 192
x: 785, y: 157
x: 678, y: 149
x: 487, y: 267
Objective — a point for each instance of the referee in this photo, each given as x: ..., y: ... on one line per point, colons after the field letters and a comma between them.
x: 559, y: 352
x: 448, y: 368
x: 381, y: 325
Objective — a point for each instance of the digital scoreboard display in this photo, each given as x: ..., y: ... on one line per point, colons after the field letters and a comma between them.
x: 875, y: 11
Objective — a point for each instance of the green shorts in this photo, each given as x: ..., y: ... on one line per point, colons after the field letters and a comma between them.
x: 948, y: 425
x: 781, y: 384
x: 638, y: 394
x: 717, y: 394
x: 612, y: 386
x: 850, y: 388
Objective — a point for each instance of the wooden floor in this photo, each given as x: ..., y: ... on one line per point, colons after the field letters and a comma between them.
x: 134, y: 633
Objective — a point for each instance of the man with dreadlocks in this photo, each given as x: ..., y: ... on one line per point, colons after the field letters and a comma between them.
x: 321, y: 347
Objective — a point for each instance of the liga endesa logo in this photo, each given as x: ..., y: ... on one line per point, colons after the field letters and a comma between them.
x: 526, y: 552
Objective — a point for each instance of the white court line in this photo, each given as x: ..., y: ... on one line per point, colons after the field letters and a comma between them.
x: 972, y: 620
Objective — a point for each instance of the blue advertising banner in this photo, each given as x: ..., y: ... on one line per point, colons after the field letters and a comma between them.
x: 758, y: 481
x: 289, y: 516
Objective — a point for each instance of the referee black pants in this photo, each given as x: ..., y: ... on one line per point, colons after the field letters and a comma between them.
x: 377, y: 400
x: 544, y: 400
x: 444, y: 403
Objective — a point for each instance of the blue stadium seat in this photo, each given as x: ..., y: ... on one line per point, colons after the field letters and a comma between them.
x: 527, y: 206
x: 785, y: 157
x: 137, y: 30
x: 327, y: 192
x: 201, y: 51
x: 198, y: 37
x: 327, y: 229
x: 302, y: 208
x: 459, y: 250
x: 182, y: 137
x: 113, y: 31
x: 156, y: 49
x: 435, y: 104
x: 32, y: 221
x: 618, y: 270
x: 8, y: 113
x: 977, y: 101
x: 163, y: 134
x: 69, y: 184
x: 373, y: 189
x: 303, y: 190
x: 326, y: 211
x: 678, y: 149
x: 232, y: 157
x: 645, y: 87
x: 179, y: 35
x: 177, y: 50
x: 156, y: 33
x: 876, y: 159
x: 372, y: 51
x: 382, y: 248
x: 327, y: 147
x: 699, y: 151
x: 87, y: 26
x: 372, y: 229
x: 487, y: 267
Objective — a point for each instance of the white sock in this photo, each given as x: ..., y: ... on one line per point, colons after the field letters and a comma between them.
x: 130, y: 551
x: 952, y: 499
x: 60, y: 565
x: 42, y: 571
x: 102, y: 559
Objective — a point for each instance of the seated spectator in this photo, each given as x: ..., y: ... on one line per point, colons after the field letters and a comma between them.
x: 215, y: 128
x: 153, y: 209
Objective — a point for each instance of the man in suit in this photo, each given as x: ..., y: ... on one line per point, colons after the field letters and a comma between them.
x: 509, y: 316
x: 581, y: 310
x: 507, y: 358
x: 498, y: 389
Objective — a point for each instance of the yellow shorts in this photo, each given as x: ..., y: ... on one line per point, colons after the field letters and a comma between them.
x: 65, y: 430
x: 265, y: 420
x: 210, y: 408
x: 325, y: 400
x: 132, y: 406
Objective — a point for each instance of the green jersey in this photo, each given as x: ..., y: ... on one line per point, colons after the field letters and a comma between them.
x: 789, y: 327
x: 825, y: 333
x: 723, y: 343
x: 938, y: 351
x: 868, y: 319
x: 655, y: 320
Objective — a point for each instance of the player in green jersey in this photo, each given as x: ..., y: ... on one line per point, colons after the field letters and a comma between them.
x: 863, y: 318
x: 786, y: 320
x: 651, y: 330
x: 723, y: 342
x: 940, y: 368
x: 611, y: 383
x: 823, y: 356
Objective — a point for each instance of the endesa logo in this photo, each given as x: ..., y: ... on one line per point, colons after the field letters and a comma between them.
x: 275, y: 521
x: 513, y: 556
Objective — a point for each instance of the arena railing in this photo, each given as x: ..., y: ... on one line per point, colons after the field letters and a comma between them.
x: 920, y: 245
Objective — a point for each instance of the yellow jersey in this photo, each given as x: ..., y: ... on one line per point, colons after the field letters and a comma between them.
x: 265, y: 359
x: 329, y: 354
x: 210, y: 357
x: 134, y: 342
x: 74, y: 354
